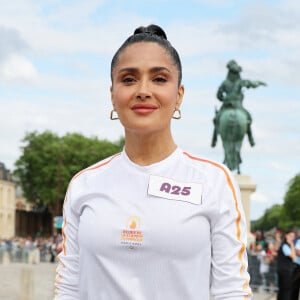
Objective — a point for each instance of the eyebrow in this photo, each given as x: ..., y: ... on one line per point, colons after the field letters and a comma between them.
x: 136, y: 70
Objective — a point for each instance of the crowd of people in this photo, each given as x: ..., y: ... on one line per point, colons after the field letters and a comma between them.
x: 30, y: 250
x: 274, y: 263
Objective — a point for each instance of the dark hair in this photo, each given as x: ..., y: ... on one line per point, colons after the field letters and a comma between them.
x: 152, y: 33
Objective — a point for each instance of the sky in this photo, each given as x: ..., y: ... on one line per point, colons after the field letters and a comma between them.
x: 55, y: 75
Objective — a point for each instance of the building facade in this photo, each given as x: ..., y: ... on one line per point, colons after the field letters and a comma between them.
x: 7, y: 204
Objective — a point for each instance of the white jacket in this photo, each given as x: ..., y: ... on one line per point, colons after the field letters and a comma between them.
x: 174, y: 230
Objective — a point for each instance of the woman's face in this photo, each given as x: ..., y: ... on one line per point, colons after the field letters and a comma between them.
x: 290, y: 237
x: 145, y: 89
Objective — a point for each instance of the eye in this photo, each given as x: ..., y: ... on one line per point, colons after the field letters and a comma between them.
x: 160, y: 79
x: 128, y: 79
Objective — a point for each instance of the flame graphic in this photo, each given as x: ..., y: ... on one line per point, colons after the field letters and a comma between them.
x: 133, y: 225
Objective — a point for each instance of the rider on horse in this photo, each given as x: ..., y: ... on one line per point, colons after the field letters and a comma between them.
x: 231, y: 94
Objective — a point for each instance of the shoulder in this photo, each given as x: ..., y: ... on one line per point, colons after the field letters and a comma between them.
x: 96, y: 168
x: 210, y: 167
x: 218, y: 177
x: 286, y: 249
x: 85, y: 181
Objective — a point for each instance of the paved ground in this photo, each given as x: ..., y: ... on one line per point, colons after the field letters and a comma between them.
x: 36, y: 282
x: 27, y: 282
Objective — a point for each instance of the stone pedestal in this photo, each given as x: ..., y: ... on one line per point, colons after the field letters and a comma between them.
x: 247, y: 187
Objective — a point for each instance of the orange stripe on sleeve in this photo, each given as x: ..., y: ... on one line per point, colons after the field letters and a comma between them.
x: 238, y: 218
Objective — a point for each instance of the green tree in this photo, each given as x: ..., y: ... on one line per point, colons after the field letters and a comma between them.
x: 270, y: 218
x: 291, y: 208
x: 48, y: 162
x: 286, y: 216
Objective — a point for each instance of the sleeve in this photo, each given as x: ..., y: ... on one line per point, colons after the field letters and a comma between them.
x: 297, y: 245
x: 67, y: 272
x: 286, y: 250
x: 229, y: 276
x: 297, y: 248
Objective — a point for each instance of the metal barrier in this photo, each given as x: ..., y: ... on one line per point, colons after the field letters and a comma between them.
x: 21, y: 255
x: 266, y: 282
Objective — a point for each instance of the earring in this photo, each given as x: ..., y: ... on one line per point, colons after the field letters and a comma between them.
x: 176, y: 114
x: 112, y: 117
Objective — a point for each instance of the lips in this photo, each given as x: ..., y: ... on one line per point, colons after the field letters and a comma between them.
x: 143, y: 109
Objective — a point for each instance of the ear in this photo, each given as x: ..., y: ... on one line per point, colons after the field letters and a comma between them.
x: 180, y: 94
x: 111, y: 96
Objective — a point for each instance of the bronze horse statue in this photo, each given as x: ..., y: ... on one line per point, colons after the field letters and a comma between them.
x: 233, y: 121
x: 232, y: 128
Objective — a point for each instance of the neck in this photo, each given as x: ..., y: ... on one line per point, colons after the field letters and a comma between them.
x: 148, y: 149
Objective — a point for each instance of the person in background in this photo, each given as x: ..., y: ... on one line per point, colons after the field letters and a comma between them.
x: 263, y: 264
x: 152, y: 222
x: 260, y: 239
x: 296, y: 272
x: 278, y: 239
x: 28, y: 246
x: 271, y: 258
x: 285, y: 266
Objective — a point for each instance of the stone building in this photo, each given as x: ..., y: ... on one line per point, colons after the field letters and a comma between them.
x: 7, y: 203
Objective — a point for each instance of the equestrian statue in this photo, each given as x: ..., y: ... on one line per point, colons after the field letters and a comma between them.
x: 232, y: 121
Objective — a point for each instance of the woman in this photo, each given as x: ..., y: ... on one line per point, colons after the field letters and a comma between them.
x: 152, y: 222
x: 285, y: 266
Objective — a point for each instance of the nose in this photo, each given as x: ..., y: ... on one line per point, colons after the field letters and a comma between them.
x: 143, y: 91
x: 142, y: 96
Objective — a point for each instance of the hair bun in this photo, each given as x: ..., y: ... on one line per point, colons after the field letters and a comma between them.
x: 152, y: 30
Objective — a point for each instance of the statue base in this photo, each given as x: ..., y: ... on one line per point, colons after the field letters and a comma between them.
x: 247, y: 187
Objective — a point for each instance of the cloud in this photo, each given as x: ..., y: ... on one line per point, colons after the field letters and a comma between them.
x: 51, y: 28
x: 11, y: 42
x: 259, y: 38
x: 17, y: 69
x: 258, y: 197
x: 262, y: 25
x: 14, y: 66
x: 61, y: 14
